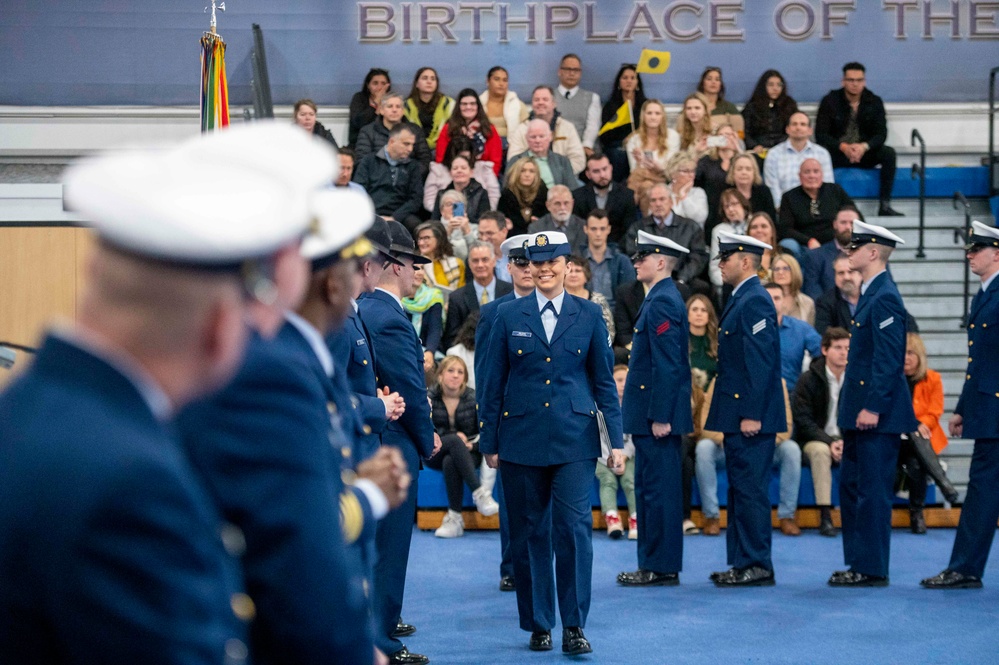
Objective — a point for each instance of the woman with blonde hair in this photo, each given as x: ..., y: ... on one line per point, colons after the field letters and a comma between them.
x: 525, y: 195
x: 694, y: 124
x: 649, y: 149
x: 786, y: 272
x: 688, y: 201
x: 712, y: 170
x: 744, y: 175
x: 456, y: 421
x: 762, y: 227
x: 928, y: 404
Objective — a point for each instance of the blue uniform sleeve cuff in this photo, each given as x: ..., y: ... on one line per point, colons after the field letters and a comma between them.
x: 376, y: 498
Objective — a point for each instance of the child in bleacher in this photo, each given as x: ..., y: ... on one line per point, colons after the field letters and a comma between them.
x: 609, y: 480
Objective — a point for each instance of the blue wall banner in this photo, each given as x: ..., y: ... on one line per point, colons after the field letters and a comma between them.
x: 138, y: 52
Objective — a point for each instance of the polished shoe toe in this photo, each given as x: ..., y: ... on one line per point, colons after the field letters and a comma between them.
x: 541, y: 640
x: 403, y: 629
x: 507, y: 583
x: 850, y: 578
x: 721, y: 574
x: 642, y: 577
x: 574, y: 643
x: 827, y: 529
x: 404, y: 657
x: 950, y: 579
x: 752, y: 576
x: 888, y: 211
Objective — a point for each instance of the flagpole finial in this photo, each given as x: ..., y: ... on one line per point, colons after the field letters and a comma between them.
x: 215, y: 6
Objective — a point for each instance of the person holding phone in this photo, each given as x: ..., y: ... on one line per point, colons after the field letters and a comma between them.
x: 476, y: 198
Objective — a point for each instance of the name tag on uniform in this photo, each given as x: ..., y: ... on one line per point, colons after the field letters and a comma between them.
x: 360, y: 342
x: 887, y: 322
x: 759, y: 326
x: 521, y: 333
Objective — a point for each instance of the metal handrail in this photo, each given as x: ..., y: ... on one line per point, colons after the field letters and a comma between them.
x: 920, y: 170
x: 993, y: 160
x: 961, y: 235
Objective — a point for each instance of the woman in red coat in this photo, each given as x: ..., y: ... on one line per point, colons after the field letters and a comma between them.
x: 469, y: 120
x: 928, y: 403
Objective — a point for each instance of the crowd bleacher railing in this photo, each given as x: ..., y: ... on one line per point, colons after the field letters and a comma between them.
x: 961, y: 234
x: 919, y: 170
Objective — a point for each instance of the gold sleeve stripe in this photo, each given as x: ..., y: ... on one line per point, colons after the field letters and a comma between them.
x: 351, y: 517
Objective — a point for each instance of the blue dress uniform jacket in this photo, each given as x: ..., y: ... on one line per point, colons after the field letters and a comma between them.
x: 658, y: 390
x: 748, y: 383
x: 538, y: 405
x: 979, y: 401
x: 354, y: 355
x: 658, y: 385
x: 533, y: 394
x: 874, y: 378
x: 270, y: 450
x: 979, y: 407
x: 109, y: 544
x: 399, y: 365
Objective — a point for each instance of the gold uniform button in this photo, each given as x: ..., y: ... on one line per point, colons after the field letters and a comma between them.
x: 737, y: 395
x: 591, y: 413
x: 969, y: 359
x: 331, y: 407
x: 967, y: 377
x: 546, y: 405
x: 641, y: 387
x: 985, y: 325
x: 367, y: 429
x: 520, y: 352
x: 636, y: 329
x: 579, y: 351
x: 506, y: 413
x: 364, y: 362
x: 861, y: 383
x: 348, y: 477
x: 243, y: 606
x: 482, y: 423
x: 971, y: 343
x: 345, y: 451
x: 972, y: 326
x: 547, y: 381
x: 548, y: 360
x: 233, y: 539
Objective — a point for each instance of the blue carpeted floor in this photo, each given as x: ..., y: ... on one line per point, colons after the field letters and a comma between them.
x: 462, y: 617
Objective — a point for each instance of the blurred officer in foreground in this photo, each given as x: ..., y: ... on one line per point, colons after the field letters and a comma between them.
x: 875, y: 409
x: 109, y: 544
x: 656, y: 412
x: 748, y: 408
x: 519, y: 267
x: 548, y: 369
x: 399, y: 366
x: 977, y: 417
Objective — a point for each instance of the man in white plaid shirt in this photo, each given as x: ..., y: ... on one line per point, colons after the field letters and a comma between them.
x: 780, y: 170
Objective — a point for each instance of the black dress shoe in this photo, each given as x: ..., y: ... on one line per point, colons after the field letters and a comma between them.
x: 541, y: 640
x: 507, y: 583
x: 752, y: 576
x: 854, y: 579
x: 917, y: 522
x: 404, y: 657
x: 722, y: 574
x: 887, y: 211
x: 574, y: 643
x: 642, y: 577
x: 403, y: 629
x: 951, y: 579
x: 827, y: 529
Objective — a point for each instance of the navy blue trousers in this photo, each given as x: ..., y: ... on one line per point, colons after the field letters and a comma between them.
x: 659, y: 503
x: 980, y: 511
x: 748, y: 460
x: 866, y: 493
x: 550, y: 505
x: 392, y: 540
x: 506, y: 562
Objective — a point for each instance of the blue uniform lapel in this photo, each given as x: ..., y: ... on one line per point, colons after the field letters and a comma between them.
x: 870, y: 293
x: 529, y: 307
x: 730, y: 305
x: 981, y: 298
x: 570, y: 310
x: 355, y: 320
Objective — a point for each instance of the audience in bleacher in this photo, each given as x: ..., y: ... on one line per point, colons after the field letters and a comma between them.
x: 375, y: 135
x: 735, y: 211
x: 618, y: 118
x: 365, y: 105
x: 786, y: 272
x: 565, y: 140
x: 577, y: 276
x: 439, y: 177
x: 458, y: 227
x: 783, y: 163
x: 851, y: 124
x: 713, y: 89
x: 427, y: 107
x: 494, y: 229
x: 694, y: 125
x: 503, y: 107
x: 392, y: 179
x: 608, y: 267
x: 767, y: 113
x: 560, y: 218
x: 304, y: 114
x: 525, y: 196
x: 469, y: 123
x: 713, y: 170
x: 817, y: 264
x: 476, y: 199
x: 808, y: 210
x: 555, y: 169
x: 649, y: 149
x: 796, y: 339
x: 815, y: 410
x: 346, y: 175
x: 483, y: 288
x: 744, y: 175
x: 835, y: 307
x: 578, y: 106
x: 688, y: 200
x: 457, y: 423
x: 464, y: 348
x: 445, y: 270
x: 611, y: 479
x: 763, y: 228
x: 425, y: 309
x: 928, y: 404
x: 600, y: 191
